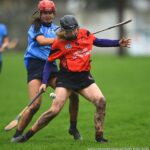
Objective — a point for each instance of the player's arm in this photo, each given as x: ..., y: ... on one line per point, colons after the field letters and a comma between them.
x: 5, y: 44
x: 47, y: 71
x: 39, y: 36
x: 111, y: 43
x: 43, y: 40
x: 56, y: 53
x: 125, y: 42
x: 48, y: 68
x: 46, y: 75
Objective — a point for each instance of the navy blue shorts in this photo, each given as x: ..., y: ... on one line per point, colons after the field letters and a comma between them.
x: 74, y: 80
x: 35, y: 69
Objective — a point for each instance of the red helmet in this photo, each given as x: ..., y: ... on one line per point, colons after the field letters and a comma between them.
x: 46, y: 5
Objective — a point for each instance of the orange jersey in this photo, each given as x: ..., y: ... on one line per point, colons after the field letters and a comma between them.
x: 74, y: 55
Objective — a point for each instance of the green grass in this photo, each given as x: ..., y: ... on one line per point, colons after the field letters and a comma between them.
x: 124, y: 81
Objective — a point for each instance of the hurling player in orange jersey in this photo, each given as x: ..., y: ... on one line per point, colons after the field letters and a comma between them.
x: 41, y: 35
x: 73, y: 46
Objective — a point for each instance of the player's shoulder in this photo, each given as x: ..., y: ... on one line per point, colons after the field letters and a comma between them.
x: 58, y: 40
x: 31, y: 28
x: 54, y: 26
x: 84, y: 31
x: 3, y: 26
x: 58, y: 43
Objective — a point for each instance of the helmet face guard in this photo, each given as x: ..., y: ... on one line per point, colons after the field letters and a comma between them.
x: 68, y: 23
x: 70, y: 29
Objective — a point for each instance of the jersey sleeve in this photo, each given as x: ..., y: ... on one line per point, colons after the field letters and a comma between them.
x: 106, y: 43
x: 33, y: 34
x: 47, y: 72
x: 5, y: 31
x: 91, y: 35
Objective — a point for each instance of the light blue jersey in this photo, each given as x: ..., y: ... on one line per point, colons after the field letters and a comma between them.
x: 34, y: 49
x: 3, y: 34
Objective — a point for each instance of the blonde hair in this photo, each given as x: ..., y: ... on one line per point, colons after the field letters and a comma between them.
x: 61, y: 34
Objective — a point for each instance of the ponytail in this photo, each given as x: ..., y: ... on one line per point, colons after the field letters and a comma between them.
x: 37, y: 24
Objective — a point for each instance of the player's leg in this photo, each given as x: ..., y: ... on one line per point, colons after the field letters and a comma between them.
x: 73, y: 111
x: 94, y: 94
x: 62, y: 95
x: 33, y: 89
x: 34, y: 76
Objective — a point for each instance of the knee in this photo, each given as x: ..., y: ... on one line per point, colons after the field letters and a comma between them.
x: 55, y: 111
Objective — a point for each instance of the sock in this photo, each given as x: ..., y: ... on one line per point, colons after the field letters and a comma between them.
x: 18, y: 133
x: 29, y: 134
x: 99, y: 135
x: 73, y: 124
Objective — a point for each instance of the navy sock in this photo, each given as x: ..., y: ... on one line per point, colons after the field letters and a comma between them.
x: 18, y: 133
x: 99, y: 135
x: 29, y: 134
x: 73, y: 124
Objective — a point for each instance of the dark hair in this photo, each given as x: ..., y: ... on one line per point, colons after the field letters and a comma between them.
x: 37, y: 24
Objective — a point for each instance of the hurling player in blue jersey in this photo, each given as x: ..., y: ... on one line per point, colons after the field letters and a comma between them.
x: 4, y: 41
x: 41, y: 35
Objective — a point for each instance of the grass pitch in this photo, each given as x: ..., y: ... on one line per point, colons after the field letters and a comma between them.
x: 125, y: 83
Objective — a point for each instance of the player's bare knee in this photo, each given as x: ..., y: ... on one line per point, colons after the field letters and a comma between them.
x: 55, y: 110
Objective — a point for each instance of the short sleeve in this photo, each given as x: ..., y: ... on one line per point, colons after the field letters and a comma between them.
x: 32, y: 33
x: 87, y: 33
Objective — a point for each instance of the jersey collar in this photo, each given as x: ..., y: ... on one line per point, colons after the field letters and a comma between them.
x: 47, y: 24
